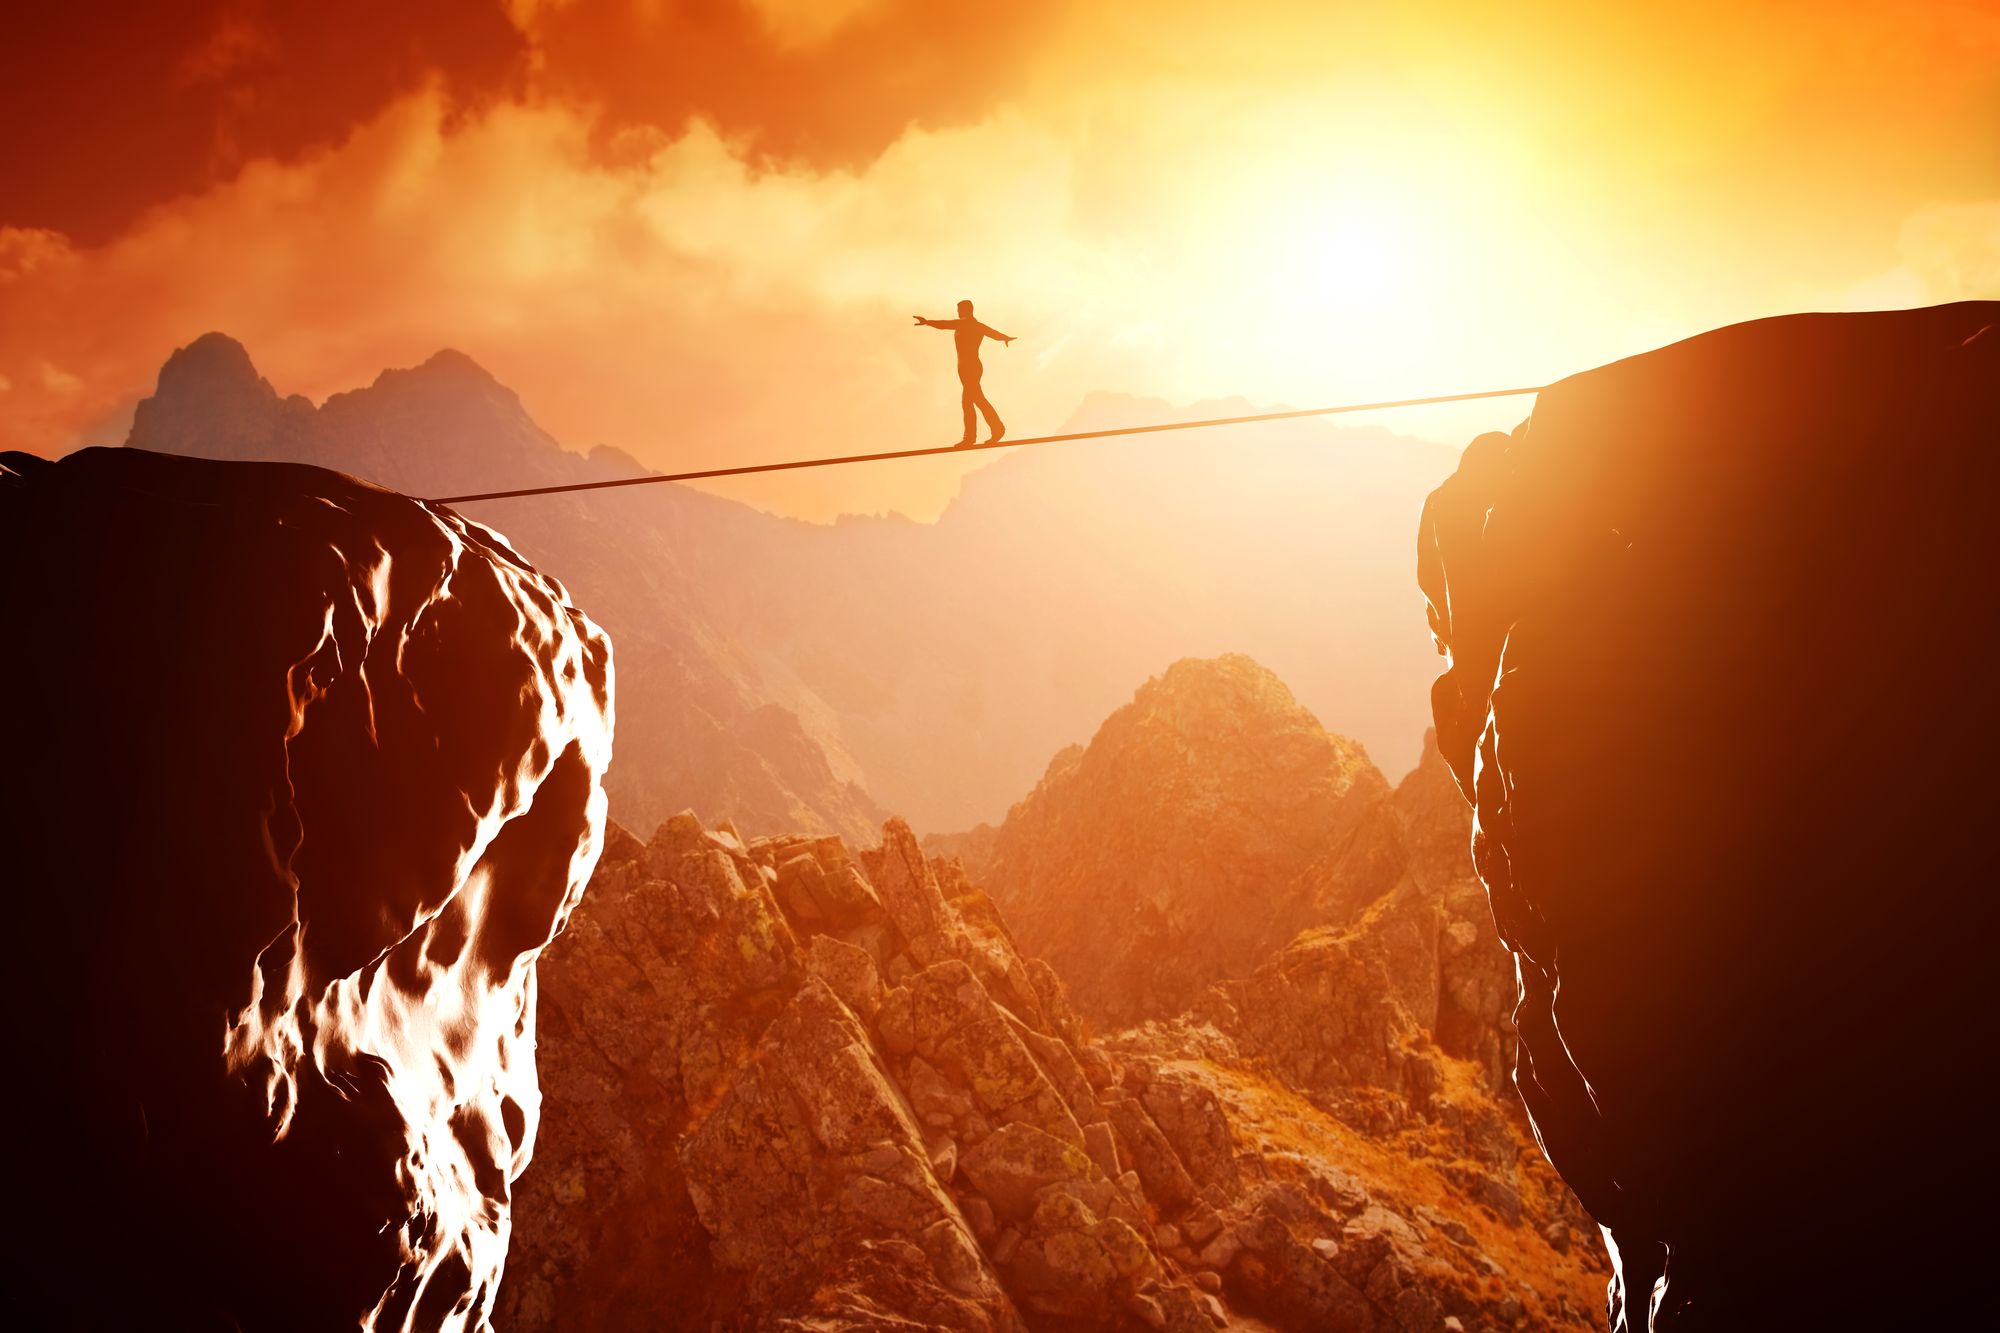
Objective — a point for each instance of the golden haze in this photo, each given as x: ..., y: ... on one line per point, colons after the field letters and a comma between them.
x: 1286, y: 202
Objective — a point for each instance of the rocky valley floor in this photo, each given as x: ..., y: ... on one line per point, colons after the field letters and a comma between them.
x: 793, y: 1085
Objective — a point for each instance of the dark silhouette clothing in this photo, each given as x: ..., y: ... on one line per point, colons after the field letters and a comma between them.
x: 972, y: 398
x: 966, y: 334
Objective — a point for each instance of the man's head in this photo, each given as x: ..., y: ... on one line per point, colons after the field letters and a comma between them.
x: 965, y: 309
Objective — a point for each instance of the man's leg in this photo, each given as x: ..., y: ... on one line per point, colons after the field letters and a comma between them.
x: 966, y: 400
x: 993, y: 423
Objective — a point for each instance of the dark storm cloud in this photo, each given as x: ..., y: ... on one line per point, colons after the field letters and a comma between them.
x: 834, y: 98
x: 111, y: 106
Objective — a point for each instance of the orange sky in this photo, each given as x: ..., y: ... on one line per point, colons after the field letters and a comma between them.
x: 697, y: 230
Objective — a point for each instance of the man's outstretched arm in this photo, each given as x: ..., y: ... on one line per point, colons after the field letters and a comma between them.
x: 936, y: 323
x: 995, y: 333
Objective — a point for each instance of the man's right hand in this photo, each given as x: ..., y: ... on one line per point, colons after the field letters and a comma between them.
x: 920, y: 319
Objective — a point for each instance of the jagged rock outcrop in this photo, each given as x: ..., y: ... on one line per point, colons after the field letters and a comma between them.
x: 305, y: 775
x: 805, y: 1087
x: 1173, y: 851
x: 1358, y: 1011
x: 790, y: 1086
x: 1721, y: 621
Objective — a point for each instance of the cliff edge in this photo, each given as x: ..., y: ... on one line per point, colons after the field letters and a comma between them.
x: 305, y: 776
x: 1722, y: 628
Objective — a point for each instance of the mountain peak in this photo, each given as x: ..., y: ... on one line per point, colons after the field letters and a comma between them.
x: 1231, y: 709
x: 449, y: 361
x: 1189, y: 819
x: 214, y: 363
x: 447, y: 375
x: 1220, y: 719
x: 209, y: 401
x: 1242, y: 678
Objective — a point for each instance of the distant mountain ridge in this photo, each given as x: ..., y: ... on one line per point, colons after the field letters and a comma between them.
x: 798, y: 676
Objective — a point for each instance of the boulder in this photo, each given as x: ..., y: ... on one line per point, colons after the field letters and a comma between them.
x: 848, y: 972
x: 1720, y: 620
x: 1013, y: 1163
x: 308, y: 778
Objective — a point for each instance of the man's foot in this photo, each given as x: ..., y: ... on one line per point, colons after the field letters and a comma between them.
x: 965, y: 443
x: 998, y: 431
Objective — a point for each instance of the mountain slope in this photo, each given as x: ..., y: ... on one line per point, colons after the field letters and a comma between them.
x: 1216, y: 858
x: 1170, y: 853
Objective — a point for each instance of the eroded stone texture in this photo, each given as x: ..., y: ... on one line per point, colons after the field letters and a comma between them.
x: 765, y: 1115
x: 1721, y: 622
x: 305, y: 775
x: 1172, y: 852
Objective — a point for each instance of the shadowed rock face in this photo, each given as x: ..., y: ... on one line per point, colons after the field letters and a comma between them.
x: 1722, y: 625
x: 304, y: 776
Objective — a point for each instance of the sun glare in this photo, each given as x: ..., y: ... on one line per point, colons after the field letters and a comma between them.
x: 1351, y: 267
x: 1356, y: 260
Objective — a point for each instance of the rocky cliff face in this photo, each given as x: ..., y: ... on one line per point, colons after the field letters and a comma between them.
x: 1172, y: 851
x: 1719, y: 619
x: 792, y: 1086
x: 1374, y: 1007
x: 304, y: 775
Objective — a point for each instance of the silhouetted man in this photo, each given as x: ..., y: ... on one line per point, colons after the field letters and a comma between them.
x: 968, y: 333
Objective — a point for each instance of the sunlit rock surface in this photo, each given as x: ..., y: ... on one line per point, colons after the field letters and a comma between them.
x: 1208, y: 821
x: 1722, y: 632
x: 792, y: 1086
x: 303, y: 776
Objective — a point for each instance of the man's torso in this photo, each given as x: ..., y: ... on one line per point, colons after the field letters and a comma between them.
x: 967, y: 336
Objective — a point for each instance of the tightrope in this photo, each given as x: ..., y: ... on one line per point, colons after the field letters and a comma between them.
x: 748, y: 469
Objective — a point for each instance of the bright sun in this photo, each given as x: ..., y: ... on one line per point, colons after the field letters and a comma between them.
x: 1346, y: 267
x: 1356, y: 260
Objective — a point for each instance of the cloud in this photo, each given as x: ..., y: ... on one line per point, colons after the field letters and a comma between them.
x: 816, y: 82
x: 115, y: 109
x: 807, y: 23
